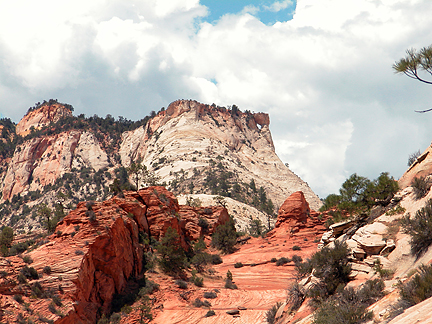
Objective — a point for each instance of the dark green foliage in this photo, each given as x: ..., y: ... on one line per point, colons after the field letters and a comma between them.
x: 330, y: 266
x: 273, y: 260
x: 415, y: 62
x: 210, y: 313
x: 359, y: 194
x: 27, y: 259
x: 6, y: 236
x: 349, y: 306
x: 29, y: 272
x: 421, y: 187
x: 37, y: 290
x: 210, y: 295
x: 256, y: 228
x: 419, y: 287
x: 413, y: 157
x: 149, y: 288
x: 52, y: 308
x: 181, y: 284
x: 172, y: 256
x: 238, y: 265
x: 216, y: 259
x: 203, y: 223
x: 225, y: 237
x: 18, y: 298
x: 271, y: 313
x: 419, y: 228
x: 296, y: 248
x: 197, y: 281
x: 20, y: 247
x: 295, y: 296
x: 282, y: 261
x: 229, y: 284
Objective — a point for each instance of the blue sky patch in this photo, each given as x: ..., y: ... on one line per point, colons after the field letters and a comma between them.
x: 267, y: 11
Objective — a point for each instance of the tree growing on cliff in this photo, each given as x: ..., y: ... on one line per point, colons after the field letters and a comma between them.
x: 172, y: 257
x: 46, y: 215
x: 225, y: 237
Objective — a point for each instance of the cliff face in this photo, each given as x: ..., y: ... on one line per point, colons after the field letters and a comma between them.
x: 90, y: 260
x: 189, y: 139
x: 193, y: 148
x: 38, y: 118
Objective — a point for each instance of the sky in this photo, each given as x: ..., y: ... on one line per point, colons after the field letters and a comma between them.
x: 322, y: 69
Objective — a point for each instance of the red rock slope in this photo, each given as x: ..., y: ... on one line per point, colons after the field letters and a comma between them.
x: 261, y: 283
x: 91, y: 260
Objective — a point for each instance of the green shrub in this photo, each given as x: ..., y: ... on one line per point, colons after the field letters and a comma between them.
x: 330, y: 266
x: 419, y: 287
x: 18, y: 298
x: 350, y: 306
x: 181, y: 284
x: 52, y: 308
x: 37, y: 290
x: 271, y: 313
x: 225, y: 237
x: 282, y: 261
x: 419, y: 228
x: 27, y: 259
x: 229, y: 284
x: 197, y: 281
x: 421, y: 187
x: 295, y: 296
x: 238, y: 265
x: 29, y: 272
x: 172, y: 256
x: 296, y: 248
x: 210, y: 313
x: 149, y: 288
x: 273, y: 260
x: 47, y: 270
x: 216, y: 259
x: 210, y: 295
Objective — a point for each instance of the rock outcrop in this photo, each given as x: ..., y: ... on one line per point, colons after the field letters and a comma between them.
x: 93, y: 253
x: 38, y: 118
x: 188, y: 137
x: 421, y: 167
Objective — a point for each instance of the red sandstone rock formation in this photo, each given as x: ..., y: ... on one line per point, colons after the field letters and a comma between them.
x: 41, y: 117
x: 90, y: 260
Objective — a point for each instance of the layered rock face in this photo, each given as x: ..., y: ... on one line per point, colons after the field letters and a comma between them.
x: 94, y: 251
x: 422, y: 167
x: 188, y: 136
x: 49, y: 113
x: 261, y: 283
x: 42, y: 160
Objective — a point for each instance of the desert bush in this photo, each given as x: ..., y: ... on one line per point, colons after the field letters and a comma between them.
x: 29, y: 272
x: 197, y: 281
x: 350, y: 306
x: 52, y: 308
x: 210, y: 313
x: 18, y: 298
x: 27, y: 259
x: 47, y: 270
x: 330, y: 266
x: 238, y: 265
x: 172, y: 256
x: 282, y: 261
x: 419, y: 287
x: 421, y: 187
x: 181, y: 284
x: 210, y: 295
x: 419, y: 228
x: 225, y: 237
x: 149, y: 287
x: 295, y: 296
x: 273, y: 260
x: 57, y: 300
x: 37, y: 290
x: 413, y: 157
x: 296, y: 259
x: 271, y: 313
x: 203, y: 223
x: 296, y: 248
x: 216, y: 259
x: 383, y: 273
x: 229, y: 284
